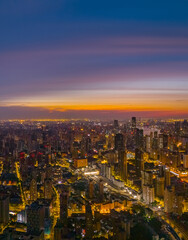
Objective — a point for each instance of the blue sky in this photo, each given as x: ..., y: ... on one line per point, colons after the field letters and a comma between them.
x: 83, y: 56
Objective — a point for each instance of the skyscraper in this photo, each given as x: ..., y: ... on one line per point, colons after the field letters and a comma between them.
x: 139, y: 162
x: 148, y: 193
x: 91, y: 189
x: 133, y: 123
x: 35, y: 218
x: 116, y: 124
x: 33, y: 190
x: 168, y: 199
x: 167, y: 178
x: 122, y: 158
x: 4, y: 208
x: 160, y: 186
x: 177, y: 127
x: 89, y: 222
x: 101, y: 189
x: 139, y: 139
x: 122, y: 162
x: 48, y: 189
x: 64, y: 206
x: 119, y: 142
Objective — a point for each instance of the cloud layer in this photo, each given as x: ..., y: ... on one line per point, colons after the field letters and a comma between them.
x: 85, y: 56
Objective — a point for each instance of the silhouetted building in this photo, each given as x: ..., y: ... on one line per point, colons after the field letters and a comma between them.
x: 91, y: 189
x: 133, y: 123
x: 4, y: 208
x: 35, y: 218
x: 33, y: 190
x: 48, y: 189
x: 116, y: 124
x: 139, y: 162
x: 139, y: 138
x: 119, y: 142
x: 64, y: 206
x: 89, y: 222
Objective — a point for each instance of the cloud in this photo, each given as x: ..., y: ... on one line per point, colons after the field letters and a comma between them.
x: 18, y: 112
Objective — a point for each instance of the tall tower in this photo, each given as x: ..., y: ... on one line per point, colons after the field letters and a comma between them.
x: 91, y: 189
x: 63, y: 206
x: 122, y: 158
x: 48, y: 189
x: 167, y: 178
x: 89, y: 222
x: 35, y: 218
x: 4, y: 209
x: 168, y: 199
x: 101, y: 189
x: 116, y: 124
x: 139, y: 162
x: 139, y: 139
x: 119, y: 142
x: 160, y: 186
x: 133, y: 123
x: 58, y: 230
x: 33, y: 190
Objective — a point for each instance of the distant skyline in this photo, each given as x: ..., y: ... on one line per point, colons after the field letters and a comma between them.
x: 93, y: 59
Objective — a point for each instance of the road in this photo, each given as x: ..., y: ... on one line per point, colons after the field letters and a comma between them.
x: 178, y: 233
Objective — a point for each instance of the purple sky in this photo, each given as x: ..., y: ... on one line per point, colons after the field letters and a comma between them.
x: 93, y: 59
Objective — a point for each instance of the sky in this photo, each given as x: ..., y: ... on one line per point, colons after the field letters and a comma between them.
x: 96, y: 59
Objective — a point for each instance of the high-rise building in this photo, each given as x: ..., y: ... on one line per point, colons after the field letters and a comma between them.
x: 58, y: 230
x: 148, y: 194
x: 139, y: 138
x: 116, y: 124
x: 168, y: 199
x: 108, y: 171
x: 122, y: 162
x: 133, y: 123
x: 160, y: 181
x: 101, y: 189
x: 64, y: 195
x: 91, y: 189
x: 148, y: 144
x: 178, y: 204
x: 165, y: 141
x: 48, y: 189
x: 139, y: 162
x: 160, y: 141
x: 161, y: 170
x: 147, y: 177
x: 88, y: 144
x: 122, y: 158
x: 89, y: 222
x: 155, y: 142
x: 4, y: 208
x: 185, y: 126
x: 33, y: 190
x: 49, y: 173
x: 185, y: 161
x: 167, y: 178
x: 177, y: 127
x: 119, y: 142
x: 35, y: 218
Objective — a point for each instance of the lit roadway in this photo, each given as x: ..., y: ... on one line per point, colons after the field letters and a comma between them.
x: 56, y: 211
x: 132, y: 194
x: 20, y: 184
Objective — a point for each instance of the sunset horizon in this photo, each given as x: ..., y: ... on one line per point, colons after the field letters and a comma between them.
x: 71, y: 58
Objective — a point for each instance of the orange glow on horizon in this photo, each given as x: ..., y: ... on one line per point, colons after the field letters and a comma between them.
x: 100, y: 107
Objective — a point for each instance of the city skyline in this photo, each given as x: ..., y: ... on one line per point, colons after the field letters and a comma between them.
x: 83, y: 59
